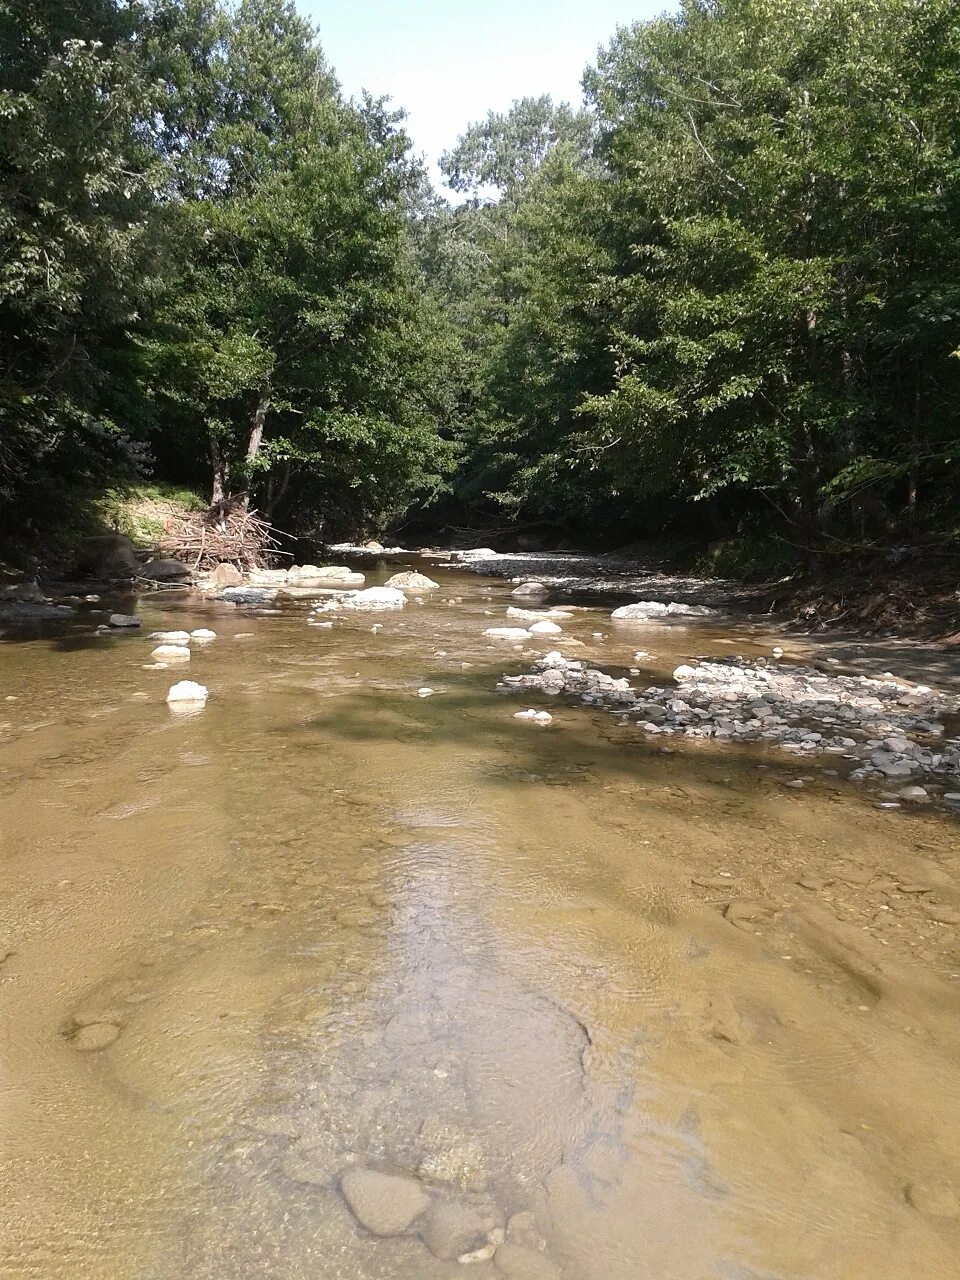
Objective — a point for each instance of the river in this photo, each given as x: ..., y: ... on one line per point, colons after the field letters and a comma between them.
x: 327, y: 925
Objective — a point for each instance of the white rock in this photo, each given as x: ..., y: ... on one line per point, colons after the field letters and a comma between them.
x: 203, y: 633
x: 534, y: 615
x: 425, y: 692
x: 536, y: 717
x: 187, y: 691
x: 171, y: 653
x: 372, y: 598
x: 170, y: 637
x: 508, y: 633
x: 656, y: 609
x: 912, y: 793
x: 123, y: 620
x: 545, y: 628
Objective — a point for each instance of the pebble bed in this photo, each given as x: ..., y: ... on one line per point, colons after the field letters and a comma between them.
x: 891, y: 731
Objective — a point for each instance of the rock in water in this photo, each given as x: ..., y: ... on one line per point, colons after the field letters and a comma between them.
x: 248, y: 595
x: 644, y: 609
x: 170, y: 637
x: 124, y: 620
x: 530, y: 589
x: 187, y: 691
x: 309, y: 573
x: 451, y: 1230
x: 545, y: 628
x: 384, y: 1203
x: 412, y: 582
x: 226, y: 575
x: 171, y: 653
x: 372, y: 598
x: 203, y: 633
x: 164, y: 571
x: 536, y: 717
x: 94, y: 1036
x: 508, y: 633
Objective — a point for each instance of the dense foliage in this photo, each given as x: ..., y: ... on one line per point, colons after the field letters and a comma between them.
x: 730, y: 284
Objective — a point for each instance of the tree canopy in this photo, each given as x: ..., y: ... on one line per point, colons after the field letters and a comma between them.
x: 729, y: 282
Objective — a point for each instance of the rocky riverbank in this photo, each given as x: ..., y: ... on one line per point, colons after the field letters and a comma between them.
x: 886, y: 731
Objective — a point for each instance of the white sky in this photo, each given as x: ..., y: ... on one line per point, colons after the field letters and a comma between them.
x: 448, y: 62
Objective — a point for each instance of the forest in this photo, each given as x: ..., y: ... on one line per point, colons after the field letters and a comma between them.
x: 722, y: 294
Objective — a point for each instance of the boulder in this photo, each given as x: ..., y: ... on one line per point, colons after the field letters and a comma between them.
x: 526, y: 589
x: 124, y: 620
x: 226, y: 575
x: 165, y: 571
x: 545, y: 628
x: 385, y: 1203
x: 110, y: 555
x: 373, y: 545
x: 412, y: 582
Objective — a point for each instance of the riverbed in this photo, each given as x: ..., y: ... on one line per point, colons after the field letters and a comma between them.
x: 326, y: 924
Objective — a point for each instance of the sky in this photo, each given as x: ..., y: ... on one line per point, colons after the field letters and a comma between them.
x: 449, y: 62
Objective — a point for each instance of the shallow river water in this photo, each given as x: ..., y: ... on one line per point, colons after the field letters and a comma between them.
x: 324, y: 924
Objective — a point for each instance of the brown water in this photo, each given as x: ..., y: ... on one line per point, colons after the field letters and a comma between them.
x: 324, y: 923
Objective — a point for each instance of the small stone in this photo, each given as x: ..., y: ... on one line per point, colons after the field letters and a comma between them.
x: 545, y: 628
x: 203, y: 633
x: 94, y: 1036
x: 508, y: 633
x: 912, y: 793
x: 385, y: 1203
x: 425, y: 692
x: 936, y: 1201
x: 170, y: 637
x: 795, y: 783
x: 123, y: 620
x: 740, y: 912
x: 412, y: 582
x: 450, y: 1230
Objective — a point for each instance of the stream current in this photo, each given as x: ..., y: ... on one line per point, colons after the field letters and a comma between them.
x: 325, y: 924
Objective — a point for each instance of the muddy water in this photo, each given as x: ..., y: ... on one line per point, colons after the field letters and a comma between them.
x: 325, y: 924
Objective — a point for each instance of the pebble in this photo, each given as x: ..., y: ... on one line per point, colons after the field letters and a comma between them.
x: 385, y: 1203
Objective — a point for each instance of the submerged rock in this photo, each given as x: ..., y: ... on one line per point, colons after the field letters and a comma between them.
x: 372, y: 598
x: 385, y: 1204
x: 537, y: 717
x: 451, y: 1230
x: 171, y: 653
x: 531, y: 589
x: 123, y: 620
x: 170, y: 637
x: 545, y: 628
x: 307, y: 573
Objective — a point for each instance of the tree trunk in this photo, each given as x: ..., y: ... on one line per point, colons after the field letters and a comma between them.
x: 255, y: 439
x: 221, y: 473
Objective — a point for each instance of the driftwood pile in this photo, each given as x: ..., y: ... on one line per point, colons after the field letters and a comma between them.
x: 223, y: 533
